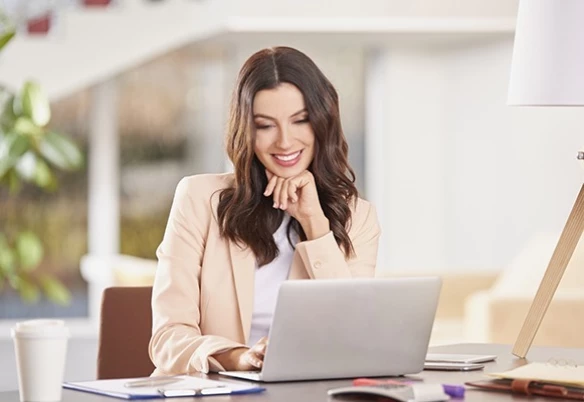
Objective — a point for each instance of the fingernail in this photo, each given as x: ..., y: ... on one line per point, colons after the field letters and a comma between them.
x: 276, y: 205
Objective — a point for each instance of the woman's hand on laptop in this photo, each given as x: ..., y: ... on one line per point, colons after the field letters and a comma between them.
x: 244, y: 359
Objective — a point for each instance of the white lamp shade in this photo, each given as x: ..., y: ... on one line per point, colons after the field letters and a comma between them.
x: 547, y: 68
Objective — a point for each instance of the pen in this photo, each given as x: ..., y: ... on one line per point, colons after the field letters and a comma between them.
x: 151, y: 382
x: 455, y: 391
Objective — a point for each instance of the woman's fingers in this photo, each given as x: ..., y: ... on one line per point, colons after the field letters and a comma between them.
x: 263, y: 341
x: 257, y: 352
x: 276, y: 193
x: 272, y: 181
x: 254, y: 360
x: 260, y: 346
x: 284, y: 195
x: 292, y: 191
x: 283, y: 191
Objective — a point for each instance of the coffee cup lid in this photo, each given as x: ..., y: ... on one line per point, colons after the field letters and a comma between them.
x: 40, y: 328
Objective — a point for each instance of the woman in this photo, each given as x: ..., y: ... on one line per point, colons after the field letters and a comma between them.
x: 289, y: 211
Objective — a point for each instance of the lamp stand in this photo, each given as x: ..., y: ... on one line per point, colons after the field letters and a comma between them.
x: 553, y: 275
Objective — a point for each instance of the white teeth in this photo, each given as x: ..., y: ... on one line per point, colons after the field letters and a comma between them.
x: 287, y: 158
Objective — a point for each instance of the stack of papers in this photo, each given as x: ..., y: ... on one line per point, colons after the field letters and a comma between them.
x: 545, y: 372
x: 179, y: 386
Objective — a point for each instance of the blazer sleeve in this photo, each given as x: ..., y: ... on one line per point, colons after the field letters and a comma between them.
x: 177, y: 345
x: 323, y: 258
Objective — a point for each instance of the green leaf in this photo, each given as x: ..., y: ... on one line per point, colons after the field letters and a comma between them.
x: 29, y: 250
x: 18, y: 146
x: 35, y: 104
x: 26, y: 126
x: 7, y: 261
x: 13, y: 182
x: 43, y: 176
x: 29, y: 292
x: 5, y: 165
x: 13, y: 146
x: 55, y: 290
x: 60, y: 151
x: 13, y: 280
x: 6, y: 161
x: 7, y: 115
x: 5, y: 37
x: 7, y: 257
x: 26, y: 166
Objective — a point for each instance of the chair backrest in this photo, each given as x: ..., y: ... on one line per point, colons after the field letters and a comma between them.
x: 124, y: 333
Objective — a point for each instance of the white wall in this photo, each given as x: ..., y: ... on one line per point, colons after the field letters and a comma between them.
x: 377, y: 8
x: 468, y: 180
x: 414, y: 172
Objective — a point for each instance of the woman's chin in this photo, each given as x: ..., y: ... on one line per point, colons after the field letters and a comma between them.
x: 286, y: 172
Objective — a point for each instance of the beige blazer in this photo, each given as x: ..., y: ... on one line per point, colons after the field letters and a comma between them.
x: 202, y: 298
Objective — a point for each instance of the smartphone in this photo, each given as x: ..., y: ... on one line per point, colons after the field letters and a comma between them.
x: 459, y: 358
x: 452, y: 366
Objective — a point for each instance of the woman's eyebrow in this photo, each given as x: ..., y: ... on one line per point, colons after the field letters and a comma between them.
x: 263, y: 116
x: 299, y: 112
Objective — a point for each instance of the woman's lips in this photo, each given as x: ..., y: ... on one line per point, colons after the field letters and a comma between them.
x: 287, y: 160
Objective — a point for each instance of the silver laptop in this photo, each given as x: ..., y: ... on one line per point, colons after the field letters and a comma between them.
x: 341, y: 328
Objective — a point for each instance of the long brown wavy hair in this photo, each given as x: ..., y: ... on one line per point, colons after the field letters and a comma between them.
x: 245, y: 214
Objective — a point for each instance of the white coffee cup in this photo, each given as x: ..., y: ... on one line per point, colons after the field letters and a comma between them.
x: 41, y: 351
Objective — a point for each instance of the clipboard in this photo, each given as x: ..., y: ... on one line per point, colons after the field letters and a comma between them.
x: 184, y: 386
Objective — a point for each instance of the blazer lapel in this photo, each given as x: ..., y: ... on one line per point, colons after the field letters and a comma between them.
x: 243, y: 264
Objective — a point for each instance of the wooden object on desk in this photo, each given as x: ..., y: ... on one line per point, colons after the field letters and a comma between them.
x: 553, y: 275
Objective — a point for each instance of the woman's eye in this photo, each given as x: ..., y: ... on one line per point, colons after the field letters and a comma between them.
x: 301, y: 121
x: 262, y: 126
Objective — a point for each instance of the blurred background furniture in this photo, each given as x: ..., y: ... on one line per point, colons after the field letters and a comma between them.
x: 102, y: 272
x: 497, y: 313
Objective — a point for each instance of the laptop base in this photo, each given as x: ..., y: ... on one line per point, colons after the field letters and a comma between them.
x: 245, y: 375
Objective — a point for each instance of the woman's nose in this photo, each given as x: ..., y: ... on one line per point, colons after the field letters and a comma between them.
x: 284, y: 140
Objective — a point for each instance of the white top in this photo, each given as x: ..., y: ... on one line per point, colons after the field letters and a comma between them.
x: 267, y: 281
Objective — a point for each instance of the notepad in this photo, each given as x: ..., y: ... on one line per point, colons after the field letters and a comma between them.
x: 185, y: 386
x: 545, y: 372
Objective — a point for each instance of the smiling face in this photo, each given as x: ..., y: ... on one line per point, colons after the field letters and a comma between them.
x: 284, y: 140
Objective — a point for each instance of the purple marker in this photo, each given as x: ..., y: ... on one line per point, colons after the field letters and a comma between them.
x: 455, y: 391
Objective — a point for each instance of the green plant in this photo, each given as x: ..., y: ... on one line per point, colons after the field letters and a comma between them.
x: 7, y: 30
x: 29, y: 152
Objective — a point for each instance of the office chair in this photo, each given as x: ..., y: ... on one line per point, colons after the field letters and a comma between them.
x: 124, y: 333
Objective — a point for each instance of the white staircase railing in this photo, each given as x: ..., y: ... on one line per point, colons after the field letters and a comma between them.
x: 89, y: 45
